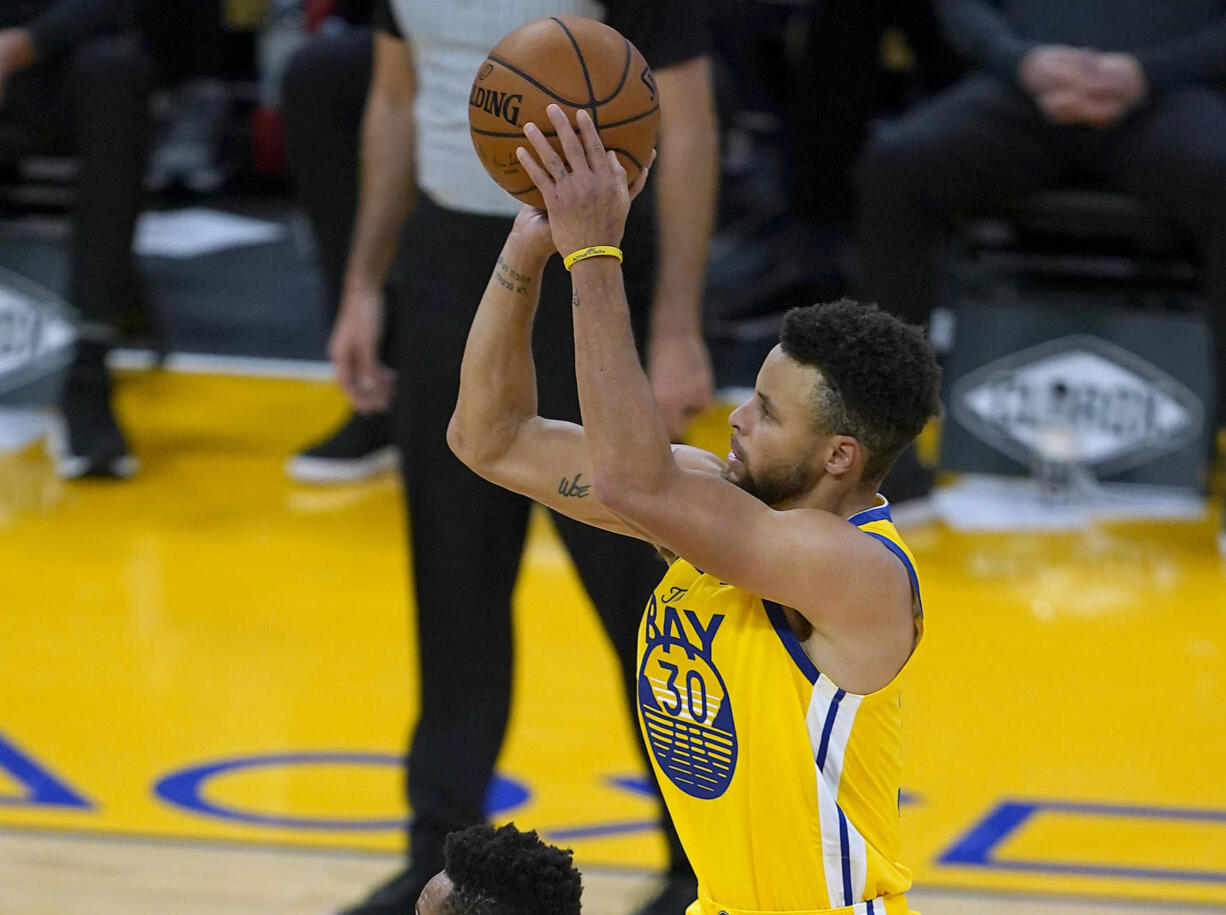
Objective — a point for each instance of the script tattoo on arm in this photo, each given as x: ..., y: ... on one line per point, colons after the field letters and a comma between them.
x: 574, y: 299
x: 573, y: 489
x: 510, y: 279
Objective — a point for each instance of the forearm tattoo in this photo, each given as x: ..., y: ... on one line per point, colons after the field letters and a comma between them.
x: 573, y: 489
x: 510, y: 279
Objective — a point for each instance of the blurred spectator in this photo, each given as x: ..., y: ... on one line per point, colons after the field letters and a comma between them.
x: 323, y: 96
x: 74, y: 76
x: 1129, y: 92
x: 187, y: 41
x: 426, y: 204
x: 859, y: 59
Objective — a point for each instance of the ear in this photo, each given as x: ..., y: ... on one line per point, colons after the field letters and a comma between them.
x: 845, y: 456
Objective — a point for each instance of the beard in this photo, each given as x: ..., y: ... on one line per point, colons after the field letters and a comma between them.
x: 774, y: 485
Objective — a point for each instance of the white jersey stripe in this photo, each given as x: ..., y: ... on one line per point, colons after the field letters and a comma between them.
x: 829, y: 720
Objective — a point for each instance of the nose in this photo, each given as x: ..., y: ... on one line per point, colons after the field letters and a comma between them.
x: 737, y: 417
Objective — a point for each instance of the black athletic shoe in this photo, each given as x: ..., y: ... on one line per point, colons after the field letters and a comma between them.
x: 396, y: 897
x: 88, y: 442
x: 361, y: 448
x: 677, y: 894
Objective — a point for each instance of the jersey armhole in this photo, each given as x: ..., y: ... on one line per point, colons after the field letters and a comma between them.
x: 787, y: 636
x: 906, y: 563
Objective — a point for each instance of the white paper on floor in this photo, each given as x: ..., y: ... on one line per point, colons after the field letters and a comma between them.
x: 977, y: 502
x: 20, y: 426
x: 198, y: 231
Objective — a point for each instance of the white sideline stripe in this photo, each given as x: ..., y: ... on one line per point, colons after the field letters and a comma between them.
x: 208, y: 364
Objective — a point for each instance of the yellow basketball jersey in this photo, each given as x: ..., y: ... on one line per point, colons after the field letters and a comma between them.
x: 784, y: 788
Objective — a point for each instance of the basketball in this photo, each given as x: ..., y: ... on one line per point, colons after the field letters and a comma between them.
x: 577, y: 63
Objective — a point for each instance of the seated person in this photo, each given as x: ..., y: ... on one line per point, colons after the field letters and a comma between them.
x: 75, y: 76
x: 1134, y: 98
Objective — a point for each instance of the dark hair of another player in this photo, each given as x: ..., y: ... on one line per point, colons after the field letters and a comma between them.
x: 882, y: 381
x: 507, y: 872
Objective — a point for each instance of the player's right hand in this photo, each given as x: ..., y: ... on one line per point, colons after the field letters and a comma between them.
x: 354, y: 351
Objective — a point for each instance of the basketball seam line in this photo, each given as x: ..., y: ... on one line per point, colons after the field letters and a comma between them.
x: 553, y: 133
x: 557, y: 97
x: 625, y: 72
x: 587, y: 77
x: 618, y: 149
x: 544, y: 89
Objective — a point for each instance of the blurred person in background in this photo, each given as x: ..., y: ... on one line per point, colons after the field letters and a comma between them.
x: 424, y: 203
x: 323, y: 97
x: 188, y: 41
x: 1130, y: 92
x: 74, y: 75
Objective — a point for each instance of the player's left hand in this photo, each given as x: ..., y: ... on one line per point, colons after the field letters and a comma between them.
x: 531, y: 232
x: 586, y: 190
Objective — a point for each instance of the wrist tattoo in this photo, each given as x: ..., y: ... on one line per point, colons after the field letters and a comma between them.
x: 510, y: 279
x: 573, y: 489
x: 574, y: 299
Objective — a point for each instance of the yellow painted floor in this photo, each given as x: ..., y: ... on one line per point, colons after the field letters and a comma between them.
x: 209, y: 652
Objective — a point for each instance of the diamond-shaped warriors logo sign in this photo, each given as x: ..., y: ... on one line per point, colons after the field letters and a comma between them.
x: 36, y: 335
x: 1123, y: 411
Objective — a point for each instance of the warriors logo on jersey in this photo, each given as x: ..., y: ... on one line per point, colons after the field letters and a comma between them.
x: 687, y: 713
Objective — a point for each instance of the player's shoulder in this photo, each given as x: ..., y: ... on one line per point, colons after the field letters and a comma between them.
x: 690, y: 458
x: 867, y: 564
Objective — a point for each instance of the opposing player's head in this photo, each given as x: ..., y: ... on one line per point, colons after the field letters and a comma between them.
x: 502, y: 872
x: 845, y: 391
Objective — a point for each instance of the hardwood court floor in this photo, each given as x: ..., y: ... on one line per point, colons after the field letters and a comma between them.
x: 207, y: 676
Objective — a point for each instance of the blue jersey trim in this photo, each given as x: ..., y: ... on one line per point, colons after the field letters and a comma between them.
x: 828, y: 727
x: 780, y: 621
x: 845, y: 849
x: 871, y: 908
x: 906, y: 562
x: 869, y: 515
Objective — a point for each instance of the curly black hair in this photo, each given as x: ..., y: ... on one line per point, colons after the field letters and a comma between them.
x: 507, y: 872
x: 882, y: 379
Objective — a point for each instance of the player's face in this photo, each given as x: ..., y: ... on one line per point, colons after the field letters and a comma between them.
x: 775, y: 446
x: 430, y: 902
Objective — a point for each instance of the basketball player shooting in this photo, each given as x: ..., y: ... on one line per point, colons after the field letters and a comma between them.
x: 770, y: 653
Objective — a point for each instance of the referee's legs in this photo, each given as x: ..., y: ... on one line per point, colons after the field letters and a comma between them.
x: 467, y: 536
x: 619, y: 574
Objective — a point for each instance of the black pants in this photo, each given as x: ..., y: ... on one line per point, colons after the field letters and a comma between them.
x: 322, y: 97
x: 94, y: 100
x: 982, y: 141
x: 467, y: 535
x: 186, y: 39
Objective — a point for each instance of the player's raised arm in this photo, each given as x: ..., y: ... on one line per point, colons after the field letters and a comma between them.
x: 794, y: 545
x: 495, y: 428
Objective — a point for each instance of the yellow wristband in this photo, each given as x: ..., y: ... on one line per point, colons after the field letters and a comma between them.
x: 594, y: 251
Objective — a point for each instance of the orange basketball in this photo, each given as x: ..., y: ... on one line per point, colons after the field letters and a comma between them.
x: 577, y: 63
